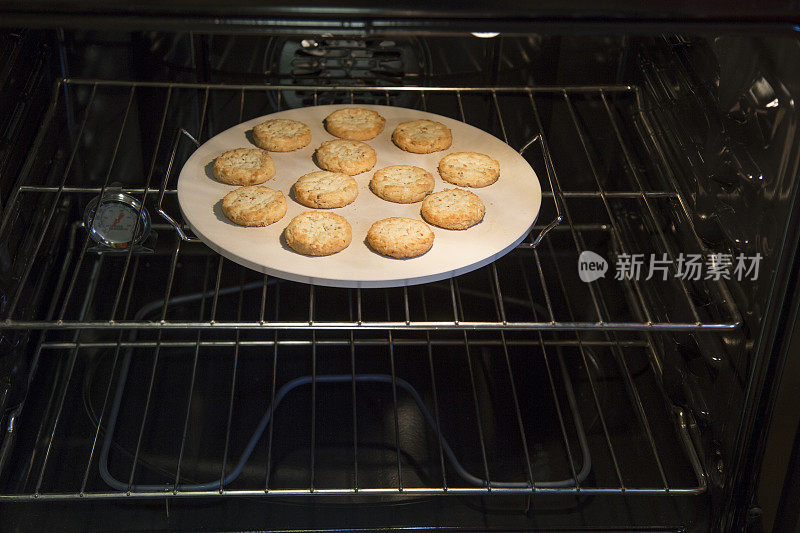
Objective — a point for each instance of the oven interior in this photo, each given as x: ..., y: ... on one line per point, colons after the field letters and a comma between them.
x: 171, y: 384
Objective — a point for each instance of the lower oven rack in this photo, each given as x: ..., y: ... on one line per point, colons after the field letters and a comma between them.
x: 578, y: 417
x: 614, y: 192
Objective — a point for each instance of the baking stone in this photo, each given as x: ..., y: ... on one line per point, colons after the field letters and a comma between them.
x: 512, y: 204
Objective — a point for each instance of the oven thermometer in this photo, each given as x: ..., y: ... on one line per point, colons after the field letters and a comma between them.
x: 115, y: 220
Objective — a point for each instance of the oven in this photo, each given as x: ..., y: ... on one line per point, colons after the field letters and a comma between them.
x: 629, y: 365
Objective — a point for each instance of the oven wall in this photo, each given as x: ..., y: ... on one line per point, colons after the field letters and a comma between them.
x: 722, y: 106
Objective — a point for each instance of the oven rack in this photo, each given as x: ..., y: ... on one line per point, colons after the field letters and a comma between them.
x: 609, y: 203
x: 571, y: 416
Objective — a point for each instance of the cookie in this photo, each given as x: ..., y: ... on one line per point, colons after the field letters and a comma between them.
x: 244, y: 166
x: 422, y: 136
x: 469, y: 169
x: 256, y: 205
x: 326, y: 190
x: 404, y: 184
x: 281, y: 135
x: 318, y: 233
x: 400, y: 237
x: 354, y: 124
x: 453, y: 209
x: 350, y: 157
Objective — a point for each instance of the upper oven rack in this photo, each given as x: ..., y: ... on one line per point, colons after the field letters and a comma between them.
x: 574, y: 218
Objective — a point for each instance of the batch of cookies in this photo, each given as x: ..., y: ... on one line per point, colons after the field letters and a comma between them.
x: 320, y: 233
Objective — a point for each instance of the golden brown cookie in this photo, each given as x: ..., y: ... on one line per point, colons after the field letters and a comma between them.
x: 326, y: 190
x: 318, y: 233
x: 400, y: 237
x: 453, y: 209
x: 281, y: 135
x: 244, y: 166
x: 422, y: 136
x: 354, y: 124
x: 255, y: 205
x: 404, y: 184
x: 469, y: 169
x: 350, y: 157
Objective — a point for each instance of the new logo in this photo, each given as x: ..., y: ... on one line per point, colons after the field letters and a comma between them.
x: 591, y: 266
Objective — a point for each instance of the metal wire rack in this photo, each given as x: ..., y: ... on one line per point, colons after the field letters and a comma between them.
x: 179, y: 373
x: 98, y: 126
x: 349, y: 416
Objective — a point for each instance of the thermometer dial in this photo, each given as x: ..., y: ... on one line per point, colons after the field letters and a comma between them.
x: 112, y: 220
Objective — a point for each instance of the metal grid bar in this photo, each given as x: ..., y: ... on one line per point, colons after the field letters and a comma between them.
x: 145, y: 412
x: 233, y: 378
x: 313, y: 407
x: 474, y: 390
x: 370, y: 325
x: 346, y: 88
x: 53, y: 345
x: 272, y: 398
x: 191, y: 383
x: 434, y: 395
x: 551, y: 381
x: 413, y: 491
x: 353, y: 392
x: 394, y: 403
x: 546, y: 194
